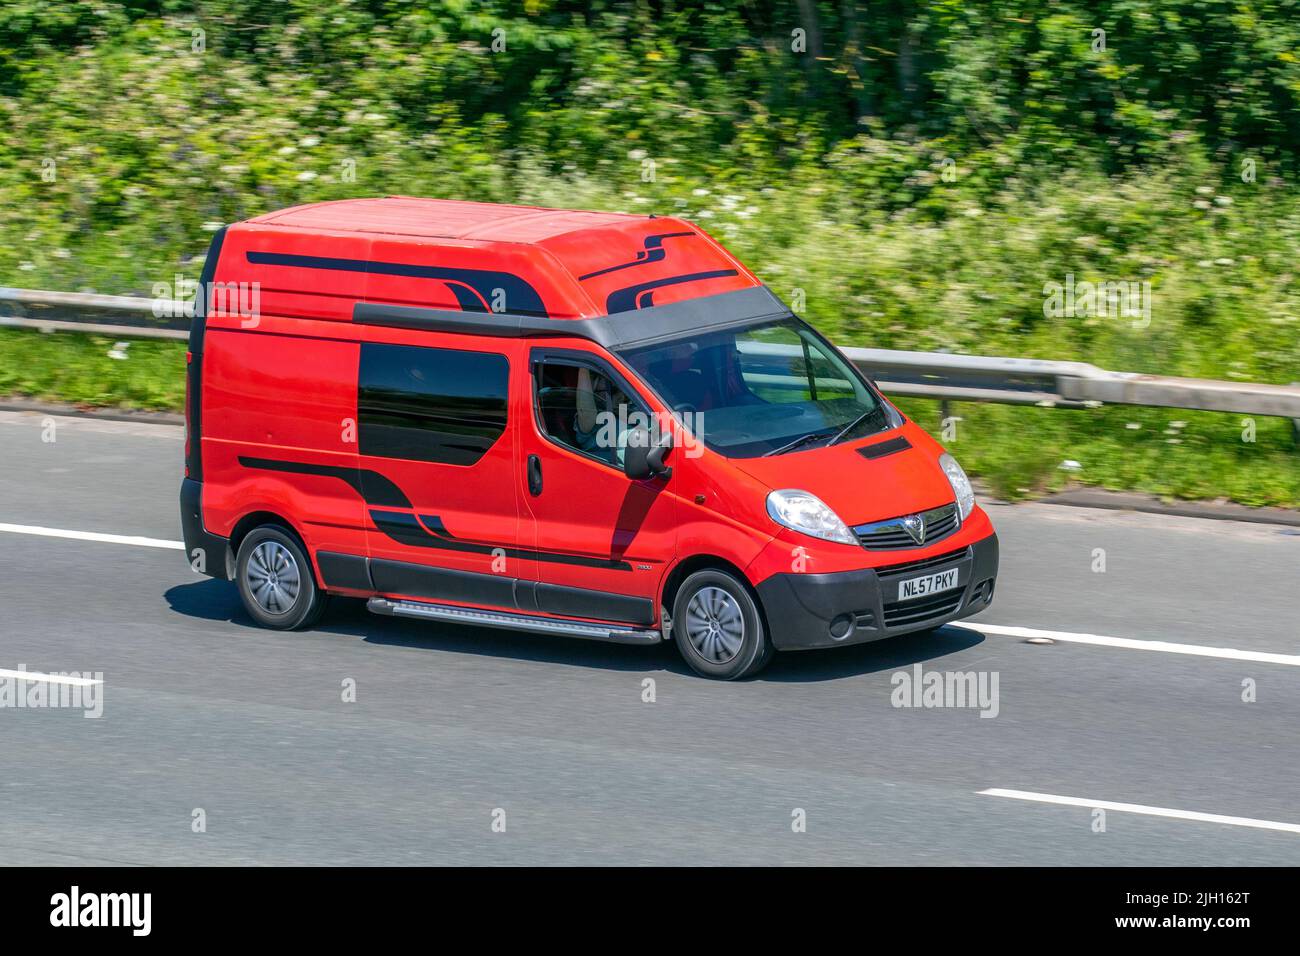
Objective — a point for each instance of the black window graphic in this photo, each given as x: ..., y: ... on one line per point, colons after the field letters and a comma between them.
x: 424, y: 404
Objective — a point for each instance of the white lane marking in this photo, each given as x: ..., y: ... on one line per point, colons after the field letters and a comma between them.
x: 1139, y: 808
x: 49, y: 678
x: 93, y: 536
x: 1197, y: 650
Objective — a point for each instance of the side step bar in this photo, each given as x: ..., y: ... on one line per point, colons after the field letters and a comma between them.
x: 560, y: 626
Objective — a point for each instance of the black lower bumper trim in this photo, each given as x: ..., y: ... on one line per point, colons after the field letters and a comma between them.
x: 350, y: 571
x: 807, y: 611
x: 206, y: 553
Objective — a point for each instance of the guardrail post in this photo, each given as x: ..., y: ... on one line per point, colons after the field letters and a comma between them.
x: 1295, y: 425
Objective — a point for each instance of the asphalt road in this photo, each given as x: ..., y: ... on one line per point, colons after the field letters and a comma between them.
x: 202, y: 710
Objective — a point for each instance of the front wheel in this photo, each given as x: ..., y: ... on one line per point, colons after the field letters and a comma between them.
x: 275, y: 580
x: 718, y: 627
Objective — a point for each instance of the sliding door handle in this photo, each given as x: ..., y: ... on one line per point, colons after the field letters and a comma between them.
x: 534, y: 475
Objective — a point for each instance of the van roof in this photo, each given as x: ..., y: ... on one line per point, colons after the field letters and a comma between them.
x: 445, y: 219
x: 475, y: 256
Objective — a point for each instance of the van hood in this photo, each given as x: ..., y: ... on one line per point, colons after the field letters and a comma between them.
x: 900, y: 479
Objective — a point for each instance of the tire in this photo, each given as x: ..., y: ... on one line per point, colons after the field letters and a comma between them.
x: 275, y: 580
x: 718, y: 627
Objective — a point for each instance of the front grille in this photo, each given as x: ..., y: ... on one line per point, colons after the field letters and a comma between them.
x: 900, y: 613
x: 916, y: 567
x: 892, y: 534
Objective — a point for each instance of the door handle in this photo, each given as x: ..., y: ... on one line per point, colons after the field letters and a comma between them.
x: 534, y: 475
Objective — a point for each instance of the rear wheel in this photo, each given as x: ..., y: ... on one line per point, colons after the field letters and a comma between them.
x: 718, y: 627
x: 275, y: 580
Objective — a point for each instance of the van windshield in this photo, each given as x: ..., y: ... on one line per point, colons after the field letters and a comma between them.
x: 769, y: 388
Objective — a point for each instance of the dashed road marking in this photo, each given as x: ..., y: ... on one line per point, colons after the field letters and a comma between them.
x: 1168, y: 812
x: 1132, y: 644
x: 132, y: 539
x: 37, y: 676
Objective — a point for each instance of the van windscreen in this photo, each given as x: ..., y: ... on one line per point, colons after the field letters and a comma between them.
x: 761, y: 389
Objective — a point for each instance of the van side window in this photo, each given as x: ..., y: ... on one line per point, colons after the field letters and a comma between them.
x: 426, y: 404
x: 584, y: 409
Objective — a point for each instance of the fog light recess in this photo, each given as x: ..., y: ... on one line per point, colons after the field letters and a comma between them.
x: 841, y: 627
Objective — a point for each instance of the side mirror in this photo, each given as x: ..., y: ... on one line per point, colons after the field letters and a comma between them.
x: 641, y: 459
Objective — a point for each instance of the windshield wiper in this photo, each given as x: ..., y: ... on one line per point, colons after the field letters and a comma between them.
x: 853, y: 424
x: 795, y: 444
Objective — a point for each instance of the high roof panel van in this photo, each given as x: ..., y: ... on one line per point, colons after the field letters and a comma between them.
x: 570, y: 423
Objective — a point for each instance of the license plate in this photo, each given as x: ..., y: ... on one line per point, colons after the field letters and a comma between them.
x: 927, y: 584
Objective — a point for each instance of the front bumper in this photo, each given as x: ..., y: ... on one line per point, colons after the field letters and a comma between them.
x: 851, y: 607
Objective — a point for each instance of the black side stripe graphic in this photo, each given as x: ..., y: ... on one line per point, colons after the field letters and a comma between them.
x: 654, y: 252
x: 468, y: 299
x: 370, y: 485
x: 479, y: 286
x: 641, y: 296
x: 882, y: 448
x: 428, y: 531
x: 406, y: 528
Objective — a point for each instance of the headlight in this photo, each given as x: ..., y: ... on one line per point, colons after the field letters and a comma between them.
x: 805, y: 513
x: 960, y: 484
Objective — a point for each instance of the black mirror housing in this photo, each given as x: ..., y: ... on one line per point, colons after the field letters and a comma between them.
x: 641, y: 459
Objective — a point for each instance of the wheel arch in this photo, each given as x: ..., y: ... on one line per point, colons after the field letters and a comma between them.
x: 706, y: 562
x: 255, y: 519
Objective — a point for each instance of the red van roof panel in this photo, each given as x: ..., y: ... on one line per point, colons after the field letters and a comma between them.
x: 577, y: 264
x: 441, y: 219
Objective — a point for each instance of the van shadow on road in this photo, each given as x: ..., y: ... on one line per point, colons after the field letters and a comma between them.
x: 214, y: 600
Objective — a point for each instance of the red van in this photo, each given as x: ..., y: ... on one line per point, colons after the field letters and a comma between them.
x: 575, y: 423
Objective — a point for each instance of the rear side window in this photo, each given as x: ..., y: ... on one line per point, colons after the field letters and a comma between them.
x: 423, y: 404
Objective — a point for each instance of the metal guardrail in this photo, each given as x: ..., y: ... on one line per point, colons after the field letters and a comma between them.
x: 1063, y: 384
x: 936, y: 375
x: 66, y: 312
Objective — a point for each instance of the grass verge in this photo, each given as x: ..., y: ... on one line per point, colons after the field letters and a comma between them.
x: 79, y: 369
